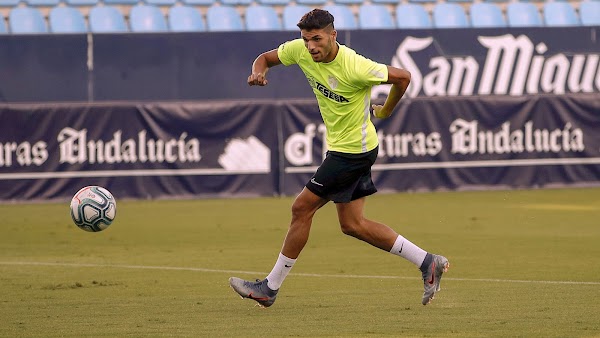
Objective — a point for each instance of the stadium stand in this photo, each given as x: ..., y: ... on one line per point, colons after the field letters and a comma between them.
x: 486, y: 14
x: 262, y: 18
x: 375, y: 16
x: 344, y: 18
x: 523, y: 14
x: 449, y: 15
x: 185, y: 19
x: 26, y: 20
x: 66, y: 20
x: 257, y: 15
x: 412, y: 16
x: 147, y: 19
x: 560, y: 13
x: 291, y: 15
x: 223, y: 18
x: 106, y: 19
x: 589, y: 11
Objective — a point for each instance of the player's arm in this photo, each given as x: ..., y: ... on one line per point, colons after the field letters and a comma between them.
x: 260, y: 67
x: 400, y: 79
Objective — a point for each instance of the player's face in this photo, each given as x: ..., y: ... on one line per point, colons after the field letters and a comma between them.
x: 320, y: 43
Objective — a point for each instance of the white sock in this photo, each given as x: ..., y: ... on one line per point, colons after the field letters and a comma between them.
x: 279, y: 272
x: 406, y: 249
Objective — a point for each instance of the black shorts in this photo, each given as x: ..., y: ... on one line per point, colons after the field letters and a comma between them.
x: 342, y: 177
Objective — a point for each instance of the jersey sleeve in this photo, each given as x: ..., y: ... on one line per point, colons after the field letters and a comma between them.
x: 369, y: 72
x: 289, y: 52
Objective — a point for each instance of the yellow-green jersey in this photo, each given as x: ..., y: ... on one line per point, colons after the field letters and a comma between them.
x: 343, y: 91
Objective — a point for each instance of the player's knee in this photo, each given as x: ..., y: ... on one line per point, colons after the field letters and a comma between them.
x: 351, y: 228
x: 301, y: 210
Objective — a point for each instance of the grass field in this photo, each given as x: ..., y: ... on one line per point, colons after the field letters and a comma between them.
x: 523, y: 263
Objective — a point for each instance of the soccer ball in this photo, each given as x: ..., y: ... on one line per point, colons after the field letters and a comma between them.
x: 93, y: 208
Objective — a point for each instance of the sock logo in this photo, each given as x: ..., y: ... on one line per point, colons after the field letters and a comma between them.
x: 287, y: 266
x: 401, y: 246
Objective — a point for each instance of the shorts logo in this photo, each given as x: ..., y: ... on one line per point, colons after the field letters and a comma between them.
x: 313, y: 181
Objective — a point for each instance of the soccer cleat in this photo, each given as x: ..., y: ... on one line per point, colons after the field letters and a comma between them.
x: 432, y: 277
x: 259, y: 291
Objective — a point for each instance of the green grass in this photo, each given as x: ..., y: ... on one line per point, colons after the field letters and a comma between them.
x: 523, y: 263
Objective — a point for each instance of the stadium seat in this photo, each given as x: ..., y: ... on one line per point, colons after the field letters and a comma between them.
x: 589, y: 12
x: 198, y: 2
x: 449, y: 15
x: 185, y: 19
x: 311, y: 2
x: 348, y: 2
x: 422, y: 1
x: 486, y: 14
x: 120, y: 2
x: 412, y: 16
x: 26, y: 20
x: 160, y: 2
x: 292, y: 14
x: 522, y: 14
x: 147, y: 19
x: 236, y: 2
x: 9, y: 3
x: 262, y: 18
x: 223, y: 18
x: 106, y: 19
x: 560, y: 14
x: 343, y: 16
x: 273, y: 2
x: 42, y: 3
x: 88, y: 3
x: 374, y: 16
x: 66, y: 20
x: 385, y: 2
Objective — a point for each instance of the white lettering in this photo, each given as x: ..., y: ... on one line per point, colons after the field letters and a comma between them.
x: 469, y: 138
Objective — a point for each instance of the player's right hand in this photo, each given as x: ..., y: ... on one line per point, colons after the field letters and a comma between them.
x: 257, y: 79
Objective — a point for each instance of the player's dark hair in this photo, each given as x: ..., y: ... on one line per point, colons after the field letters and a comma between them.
x: 316, y: 19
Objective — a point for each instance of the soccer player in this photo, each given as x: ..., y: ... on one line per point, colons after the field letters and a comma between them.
x: 341, y: 80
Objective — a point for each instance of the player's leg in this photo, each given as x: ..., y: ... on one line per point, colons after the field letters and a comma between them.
x: 265, y: 291
x: 353, y: 223
x: 304, y: 208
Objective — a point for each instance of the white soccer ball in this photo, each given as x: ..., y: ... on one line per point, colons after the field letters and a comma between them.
x: 93, y: 208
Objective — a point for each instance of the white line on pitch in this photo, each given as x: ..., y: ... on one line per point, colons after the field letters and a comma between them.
x: 175, y: 268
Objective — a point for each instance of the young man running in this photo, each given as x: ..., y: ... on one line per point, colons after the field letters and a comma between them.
x: 341, y: 80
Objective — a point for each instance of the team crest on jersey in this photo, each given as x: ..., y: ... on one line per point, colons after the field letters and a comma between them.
x: 332, y: 81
